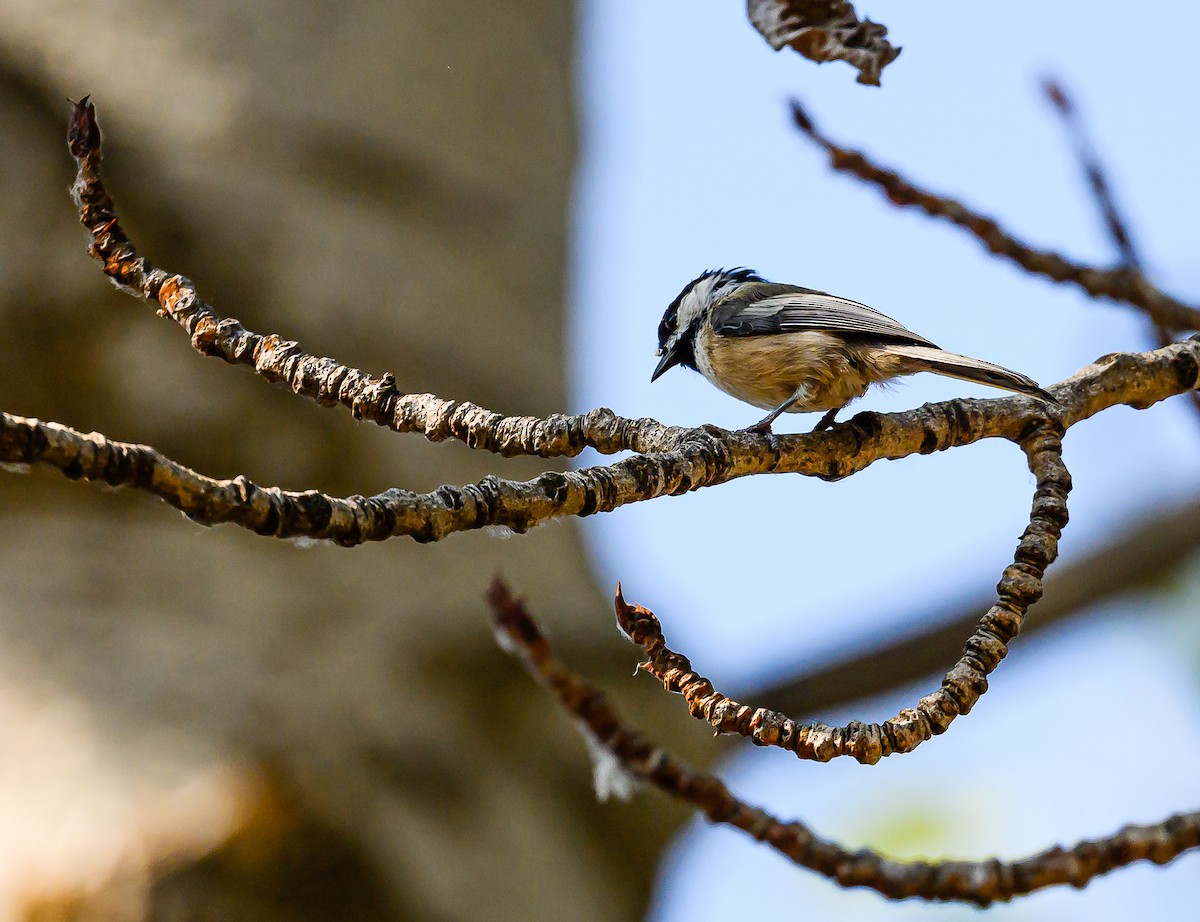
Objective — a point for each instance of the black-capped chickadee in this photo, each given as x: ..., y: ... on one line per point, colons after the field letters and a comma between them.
x: 795, y: 350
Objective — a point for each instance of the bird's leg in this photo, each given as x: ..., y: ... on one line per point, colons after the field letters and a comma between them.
x: 763, y: 426
x: 826, y: 421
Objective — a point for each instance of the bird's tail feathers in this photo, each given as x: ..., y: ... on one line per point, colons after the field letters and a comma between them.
x: 926, y: 358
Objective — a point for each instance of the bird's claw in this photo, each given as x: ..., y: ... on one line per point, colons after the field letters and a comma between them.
x: 826, y: 421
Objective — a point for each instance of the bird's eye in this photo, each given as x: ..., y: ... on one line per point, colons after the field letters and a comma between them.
x: 659, y: 351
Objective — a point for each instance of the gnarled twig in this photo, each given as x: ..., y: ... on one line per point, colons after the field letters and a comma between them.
x: 324, y: 379
x: 963, y: 685
x: 518, y: 505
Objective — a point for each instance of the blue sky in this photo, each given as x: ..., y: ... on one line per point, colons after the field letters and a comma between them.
x: 690, y: 161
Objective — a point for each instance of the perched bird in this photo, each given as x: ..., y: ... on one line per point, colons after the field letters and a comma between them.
x: 789, y: 349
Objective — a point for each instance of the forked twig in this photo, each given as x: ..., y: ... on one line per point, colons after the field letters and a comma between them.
x: 1121, y: 284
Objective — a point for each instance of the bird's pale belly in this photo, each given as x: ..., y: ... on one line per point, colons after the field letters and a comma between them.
x: 764, y: 371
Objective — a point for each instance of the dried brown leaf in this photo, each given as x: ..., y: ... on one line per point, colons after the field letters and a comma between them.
x: 825, y: 30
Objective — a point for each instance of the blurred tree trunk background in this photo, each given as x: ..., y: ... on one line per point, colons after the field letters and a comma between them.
x: 209, y: 725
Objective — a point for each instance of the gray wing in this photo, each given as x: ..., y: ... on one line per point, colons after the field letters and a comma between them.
x: 796, y: 309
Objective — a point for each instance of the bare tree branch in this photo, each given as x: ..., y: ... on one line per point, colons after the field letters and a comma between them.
x: 963, y: 685
x: 1093, y: 171
x: 1138, y: 553
x: 1102, y: 194
x: 518, y: 505
x: 323, y: 379
x: 824, y: 30
x: 264, y: 510
x: 980, y: 882
x: 1119, y: 284
x: 699, y: 457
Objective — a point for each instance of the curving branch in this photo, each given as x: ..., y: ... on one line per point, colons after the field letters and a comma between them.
x: 966, y: 682
x: 264, y: 510
x: 1121, y: 284
x: 824, y: 30
x: 323, y: 379
x: 980, y: 882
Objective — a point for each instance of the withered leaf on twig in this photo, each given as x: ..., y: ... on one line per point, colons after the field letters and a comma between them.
x: 825, y: 30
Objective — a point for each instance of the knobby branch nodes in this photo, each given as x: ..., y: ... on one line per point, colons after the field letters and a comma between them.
x: 1020, y: 586
x: 980, y: 882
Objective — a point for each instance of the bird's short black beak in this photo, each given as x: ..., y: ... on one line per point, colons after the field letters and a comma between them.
x: 669, y: 360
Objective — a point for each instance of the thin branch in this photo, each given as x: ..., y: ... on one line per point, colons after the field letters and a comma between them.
x: 963, y: 685
x: 518, y: 505
x: 1119, y: 284
x: 1093, y: 171
x: 1102, y: 194
x: 1136, y: 555
x: 979, y: 882
x: 327, y: 381
x: 824, y: 30
x: 264, y: 510
x: 323, y: 379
